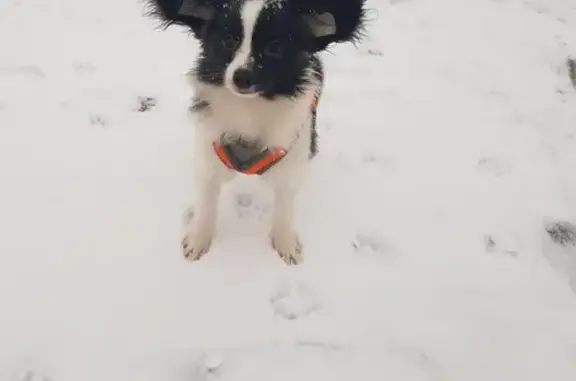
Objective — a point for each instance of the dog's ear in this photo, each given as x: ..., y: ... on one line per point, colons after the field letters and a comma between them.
x: 192, y: 13
x: 333, y: 21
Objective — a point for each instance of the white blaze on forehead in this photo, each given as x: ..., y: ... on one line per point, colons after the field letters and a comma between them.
x: 250, y: 11
x: 249, y: 15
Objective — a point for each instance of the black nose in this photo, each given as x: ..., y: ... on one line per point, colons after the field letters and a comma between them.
x: 243, y: 79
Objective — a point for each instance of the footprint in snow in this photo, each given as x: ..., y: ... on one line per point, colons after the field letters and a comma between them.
x: 146, y: 104
x: 31, y: 376
x: 97, y: 120
x: 560, y: 248
x: 187, y: 217
x: 26, y: 369
x: 562, y: 233
x: 493, y: 246
x: 377, y: 160
x: 244, y: 200
x: 368, y: 244
x: 84, y: 67
x: 245, y: 206
x: 571, y: 65
x: 294, y: 300
x: 206, y: 367
x: 372, y: 52
x: 33, y: 71
x: 492, y: 166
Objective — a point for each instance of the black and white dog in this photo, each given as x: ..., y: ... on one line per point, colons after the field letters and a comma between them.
x: 257, y: 81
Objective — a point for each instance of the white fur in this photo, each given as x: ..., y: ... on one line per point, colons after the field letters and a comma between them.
x: 249, y: 14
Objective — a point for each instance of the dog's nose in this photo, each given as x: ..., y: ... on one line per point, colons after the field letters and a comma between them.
x: 243, y: 79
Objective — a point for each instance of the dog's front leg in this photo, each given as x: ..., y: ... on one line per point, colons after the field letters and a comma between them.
x: 284, y: 239
x: 197, y: 241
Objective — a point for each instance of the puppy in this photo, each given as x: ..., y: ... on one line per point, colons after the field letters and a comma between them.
x: 257, y: 82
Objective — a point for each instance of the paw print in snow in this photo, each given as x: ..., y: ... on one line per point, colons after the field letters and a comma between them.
x: 294, y: 300
x: 26, y: 371
x: 187, y: 217
x: 32, y: 376
x: 492, y: 247
x: 244, y: 200
x: 562, y: 233
x: 571, y: 64
x: 33, y: 71
x: 84, y: 67
x: 369, y: 158
x: 492, y: 166
x: 372, y: 52
x: 377, y: 160
x: 245, y: 206
x: 375, y: 52
x: 365, y: 243
x: 489, y: 243
x: 206, y: 367
x: 146, y: 104
x: 97, y: 120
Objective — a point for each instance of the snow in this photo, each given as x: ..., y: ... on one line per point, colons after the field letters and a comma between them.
x: 448, y: 152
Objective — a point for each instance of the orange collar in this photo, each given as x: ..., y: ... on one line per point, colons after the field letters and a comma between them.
x: 251, y: 158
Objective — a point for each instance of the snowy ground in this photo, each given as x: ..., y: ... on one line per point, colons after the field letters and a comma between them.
x: 448, y: 150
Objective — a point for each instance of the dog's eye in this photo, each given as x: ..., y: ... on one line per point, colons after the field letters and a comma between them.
x: 273, y: 49
x: 229, y: 42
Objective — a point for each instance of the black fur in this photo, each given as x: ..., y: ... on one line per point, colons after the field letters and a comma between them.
x: 350, y: 18
x: 284, y: 49
x: 319, y: 74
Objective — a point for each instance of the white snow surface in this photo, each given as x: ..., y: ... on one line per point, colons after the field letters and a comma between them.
x: 448, y: 143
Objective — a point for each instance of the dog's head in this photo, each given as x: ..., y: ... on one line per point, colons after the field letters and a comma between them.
x: 263, y: 47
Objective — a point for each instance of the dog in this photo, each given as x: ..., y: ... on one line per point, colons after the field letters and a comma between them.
x: 257, y: 82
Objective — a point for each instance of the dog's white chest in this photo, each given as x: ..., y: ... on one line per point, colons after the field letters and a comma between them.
x: 276, y: 123
x: 238, y: 116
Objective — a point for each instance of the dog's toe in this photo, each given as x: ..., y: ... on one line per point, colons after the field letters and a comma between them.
x: 288, y: 246
x: 194, y: 246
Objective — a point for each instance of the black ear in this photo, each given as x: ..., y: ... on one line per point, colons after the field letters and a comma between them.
x: 333, y: 21
x: 191, y: 13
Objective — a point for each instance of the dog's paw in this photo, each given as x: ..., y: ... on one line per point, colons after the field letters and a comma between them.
x: 288, y: 246
x: 196, y: 244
